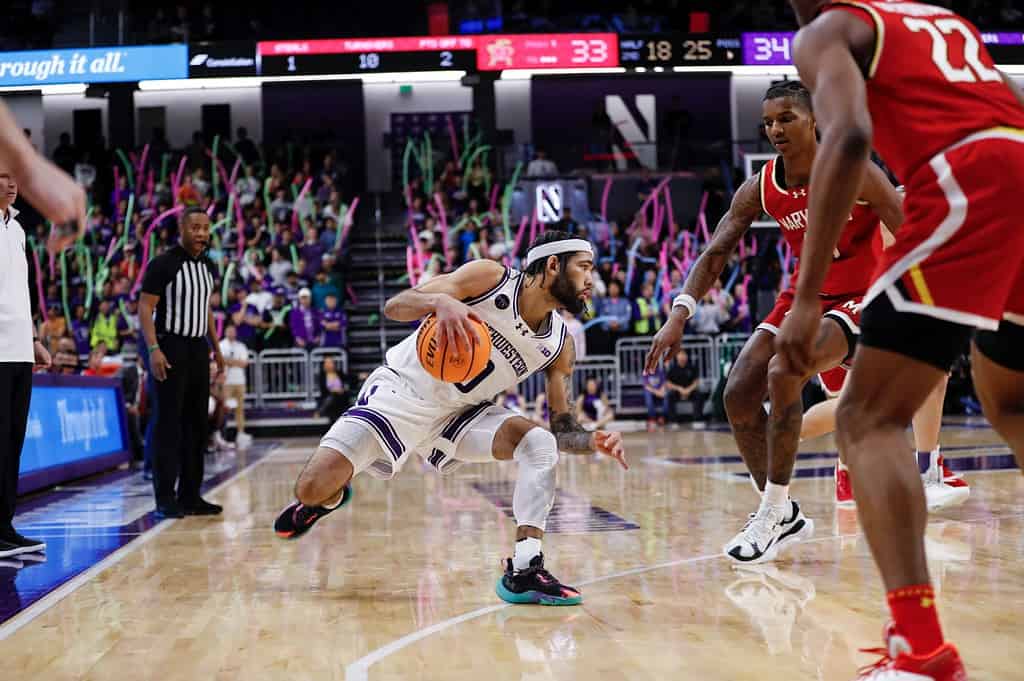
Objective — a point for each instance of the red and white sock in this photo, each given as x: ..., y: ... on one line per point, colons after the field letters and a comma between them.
x: 916, y: 617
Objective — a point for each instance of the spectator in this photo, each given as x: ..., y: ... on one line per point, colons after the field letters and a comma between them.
x: 280, y: 207
x: 258, y: 298
x: 216, y: 412
x: 541, y: 166
x: 683, y: 383
x: 568, y: 223
x: 65, y: 361
x: 248, y: 319
x: 132, y: 390
x: 245, y: 147
x: 304, y: 321
x: 248, y: 186
x: 656, y: 397
x: 94, y: 367
x: 104, y: 327
x: 200, y: 182
x: 592, y: 408
x: 620, y: 312
x: 236, y: 359
x: 575, y: 329
x: 187, y: 193
x: 279, y: 267
x: 323, y: 288
x: 648, y: 314
x: 334, y: 394
x: 276, y: 332
x: 54, y: 328
x: 65, y: 155
x: 180, y: 29
x: 334, y: 324
x: 312, y: 252
x: 709, y: 316
x: 128, y: 326
x: 80, y: 331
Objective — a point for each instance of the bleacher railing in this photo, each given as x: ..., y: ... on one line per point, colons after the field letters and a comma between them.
x: 293, y: 375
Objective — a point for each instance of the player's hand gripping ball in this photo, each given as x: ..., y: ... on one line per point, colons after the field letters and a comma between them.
x: 442, y: 358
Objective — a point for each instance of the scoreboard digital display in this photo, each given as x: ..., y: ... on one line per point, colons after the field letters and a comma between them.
x: 776, y: 49
x: 667, y: 50
x: 366, y: 55
x: 547, y: 51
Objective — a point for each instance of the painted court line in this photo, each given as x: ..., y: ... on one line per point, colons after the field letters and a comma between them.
x: 360, y: 669
x: 30, y: 613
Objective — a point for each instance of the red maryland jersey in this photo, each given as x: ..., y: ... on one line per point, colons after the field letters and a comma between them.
x: 931, y: 82
x: 854, y: 257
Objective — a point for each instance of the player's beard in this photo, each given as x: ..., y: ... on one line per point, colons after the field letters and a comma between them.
x: 565, y: 293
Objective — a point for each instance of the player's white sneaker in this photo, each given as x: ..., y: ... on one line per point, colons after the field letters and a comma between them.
x: 940, y: 494
x: 768, y: 531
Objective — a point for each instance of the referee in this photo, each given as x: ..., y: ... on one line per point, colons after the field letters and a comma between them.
x: 177, y: 287
x: 59, y: 199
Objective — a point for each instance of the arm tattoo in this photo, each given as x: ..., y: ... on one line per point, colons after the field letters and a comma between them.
x: 746, y: 206
x: 570, y: 435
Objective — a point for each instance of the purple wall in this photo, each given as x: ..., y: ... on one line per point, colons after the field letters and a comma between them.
x: 563, y: 108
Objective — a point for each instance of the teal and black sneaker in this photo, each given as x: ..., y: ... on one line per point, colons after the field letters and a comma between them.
x: 297, y: 519
x: 535, y: 585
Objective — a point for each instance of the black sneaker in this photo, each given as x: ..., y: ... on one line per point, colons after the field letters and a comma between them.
x: 535, y: 585
x: 297, y: 519
x: 27, y: 545
x: 202, y: 507
x: 170, y: 509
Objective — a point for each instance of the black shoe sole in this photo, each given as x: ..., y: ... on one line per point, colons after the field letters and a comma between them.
x: 203, y: 511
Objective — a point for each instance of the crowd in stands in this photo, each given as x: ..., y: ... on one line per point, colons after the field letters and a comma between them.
x: 632, y: 293
x: 280, y: 251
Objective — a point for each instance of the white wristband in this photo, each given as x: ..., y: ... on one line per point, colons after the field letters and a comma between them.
x: 687, y: 301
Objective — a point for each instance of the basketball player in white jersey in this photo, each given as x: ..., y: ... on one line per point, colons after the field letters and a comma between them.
x: 402, y: 410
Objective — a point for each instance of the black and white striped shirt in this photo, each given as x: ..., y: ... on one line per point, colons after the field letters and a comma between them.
x: 184, y: 285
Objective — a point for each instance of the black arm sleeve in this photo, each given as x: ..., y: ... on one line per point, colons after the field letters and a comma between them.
x: 33, y: 292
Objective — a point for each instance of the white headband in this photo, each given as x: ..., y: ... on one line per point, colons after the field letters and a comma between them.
x: 558, y: 248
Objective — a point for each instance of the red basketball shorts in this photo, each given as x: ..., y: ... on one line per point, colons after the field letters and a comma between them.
x: 959, y: 255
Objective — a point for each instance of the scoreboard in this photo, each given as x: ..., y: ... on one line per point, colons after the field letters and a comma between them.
x: 670, y: 50
x: 365, y: 55
x: 475, y: 53
x: 775, y: 49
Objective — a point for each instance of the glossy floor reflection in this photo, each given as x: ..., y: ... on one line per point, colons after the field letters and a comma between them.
x: 399, y: 585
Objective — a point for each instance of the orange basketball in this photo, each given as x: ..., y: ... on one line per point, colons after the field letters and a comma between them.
x: 443, y: 362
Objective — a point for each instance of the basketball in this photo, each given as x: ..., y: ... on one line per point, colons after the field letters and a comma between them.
x: 443, y: 362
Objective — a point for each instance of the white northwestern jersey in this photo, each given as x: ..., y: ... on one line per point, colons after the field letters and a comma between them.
x: 516, y: 351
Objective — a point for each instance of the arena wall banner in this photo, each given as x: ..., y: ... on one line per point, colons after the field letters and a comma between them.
x: 629, y: 121
x: 93, y: 65
x: 76, y: 427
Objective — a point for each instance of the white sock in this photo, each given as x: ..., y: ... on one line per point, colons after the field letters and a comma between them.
x: 526, y: 550
x: 934, y: 456
x: 842, y: 466
x: 331, y: 507
x: 776, y: 495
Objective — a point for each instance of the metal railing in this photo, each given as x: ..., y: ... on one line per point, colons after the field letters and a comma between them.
x: 707, y: 354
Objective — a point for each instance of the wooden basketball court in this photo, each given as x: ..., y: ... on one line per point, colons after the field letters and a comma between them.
x: 400, y: 584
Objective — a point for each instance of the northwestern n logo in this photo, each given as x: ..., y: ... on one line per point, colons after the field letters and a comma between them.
x: 638, y: 134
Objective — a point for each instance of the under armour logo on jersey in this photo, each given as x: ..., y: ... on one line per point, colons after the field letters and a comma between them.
x: 798, y: 193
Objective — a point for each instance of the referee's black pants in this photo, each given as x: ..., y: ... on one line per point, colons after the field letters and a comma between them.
x: 15, y: 395
x: 181, y: 420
